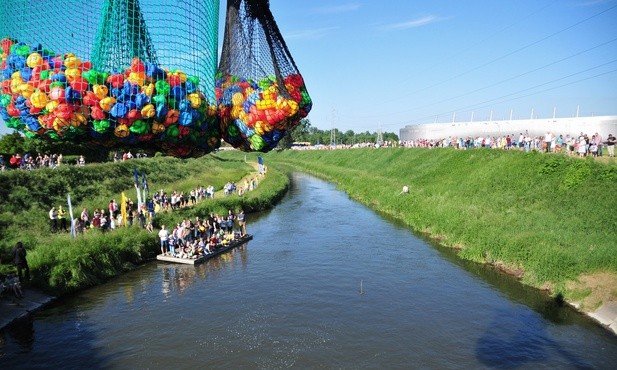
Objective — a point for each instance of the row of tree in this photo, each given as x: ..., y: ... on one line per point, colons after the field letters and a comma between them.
x: 304, y: 132
x: 16, y: 143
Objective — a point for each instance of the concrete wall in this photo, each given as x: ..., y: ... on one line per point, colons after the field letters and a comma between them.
x: 603, y: 125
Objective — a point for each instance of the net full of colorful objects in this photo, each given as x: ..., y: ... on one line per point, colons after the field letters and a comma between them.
x: 256, y: 115
x: 58, y: 97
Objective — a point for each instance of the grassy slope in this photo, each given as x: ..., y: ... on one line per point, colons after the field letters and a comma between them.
x: 547, y: 218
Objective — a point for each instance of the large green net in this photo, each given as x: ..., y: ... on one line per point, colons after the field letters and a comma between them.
x: 260, y: 93
x: 174, y: 34
x: 143, y: 73
x: 160, y: 55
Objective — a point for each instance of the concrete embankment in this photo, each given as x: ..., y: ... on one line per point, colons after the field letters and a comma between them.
x: 12, y: 308
x: 605, y: 315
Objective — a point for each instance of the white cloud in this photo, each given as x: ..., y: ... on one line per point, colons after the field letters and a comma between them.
x: 310, y: 34
x: 419, y: 22
x: 592, y: 2
x: 336, y: 9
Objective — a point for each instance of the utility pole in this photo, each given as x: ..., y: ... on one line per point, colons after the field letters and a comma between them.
x: 333, y: 130
x: 379, y: 136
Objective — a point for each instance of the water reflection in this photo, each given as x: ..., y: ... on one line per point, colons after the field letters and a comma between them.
x: 552, y: 309
x: 21, y: 332
x: 518, y: 337
x: 70, y: 351
x: 179, y: 278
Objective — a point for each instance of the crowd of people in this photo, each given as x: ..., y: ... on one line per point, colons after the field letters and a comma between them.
x: 581, y: 145
x: 29, y: 162
x: 127, y: 155
x: 384, y: 144
x: 200, y: 237
x: 111, y: 217
x: 188, y: 239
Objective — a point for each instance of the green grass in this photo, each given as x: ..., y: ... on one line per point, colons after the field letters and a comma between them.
x: 551, y: 216
x: 64, y: 264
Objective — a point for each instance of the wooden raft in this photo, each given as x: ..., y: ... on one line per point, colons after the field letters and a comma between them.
x: 202, y: 259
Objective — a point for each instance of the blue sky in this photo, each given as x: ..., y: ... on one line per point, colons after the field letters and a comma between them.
x: 392, y: 63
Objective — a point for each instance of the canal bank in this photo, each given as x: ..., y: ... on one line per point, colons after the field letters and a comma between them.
x: 606, y: 315
x: 12, y: 308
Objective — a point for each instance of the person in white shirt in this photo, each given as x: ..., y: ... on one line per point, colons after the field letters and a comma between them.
x: 164, y: 236
x: 548, y: 139
x: 53, y: 219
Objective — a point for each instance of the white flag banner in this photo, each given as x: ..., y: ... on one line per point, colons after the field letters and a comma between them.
x: 71, y: 215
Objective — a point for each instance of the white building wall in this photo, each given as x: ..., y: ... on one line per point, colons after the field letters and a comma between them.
x: 603, y: 125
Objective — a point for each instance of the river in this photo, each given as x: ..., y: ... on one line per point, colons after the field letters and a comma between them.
x: 325, y: 283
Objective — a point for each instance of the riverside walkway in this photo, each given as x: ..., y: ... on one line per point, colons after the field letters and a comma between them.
x: 12, y: 309
x: 606, y: 315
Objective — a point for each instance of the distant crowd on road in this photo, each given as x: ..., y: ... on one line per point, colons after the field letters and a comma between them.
x: 385, y: 144
x: 581, y: 145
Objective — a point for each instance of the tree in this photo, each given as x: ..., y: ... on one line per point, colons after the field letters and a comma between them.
x: 300, y: 133
x: 390, y: 136
x: 12, y: 143
x: 303, y: 131
x: 349, y: 137
x: 16, y: 143
x: 286, y: 141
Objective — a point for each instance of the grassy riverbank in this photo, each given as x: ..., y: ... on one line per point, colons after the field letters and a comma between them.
x: 548, y: 219
x: 60, y: 264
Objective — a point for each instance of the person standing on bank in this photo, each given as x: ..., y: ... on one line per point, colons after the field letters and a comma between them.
x: 164, y: 236
x: 610, y: 145
x: 548, y: 139
x: 241, y: 217
x: 62, y: 224
x: 53, y: 220
x: 19, y: 259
